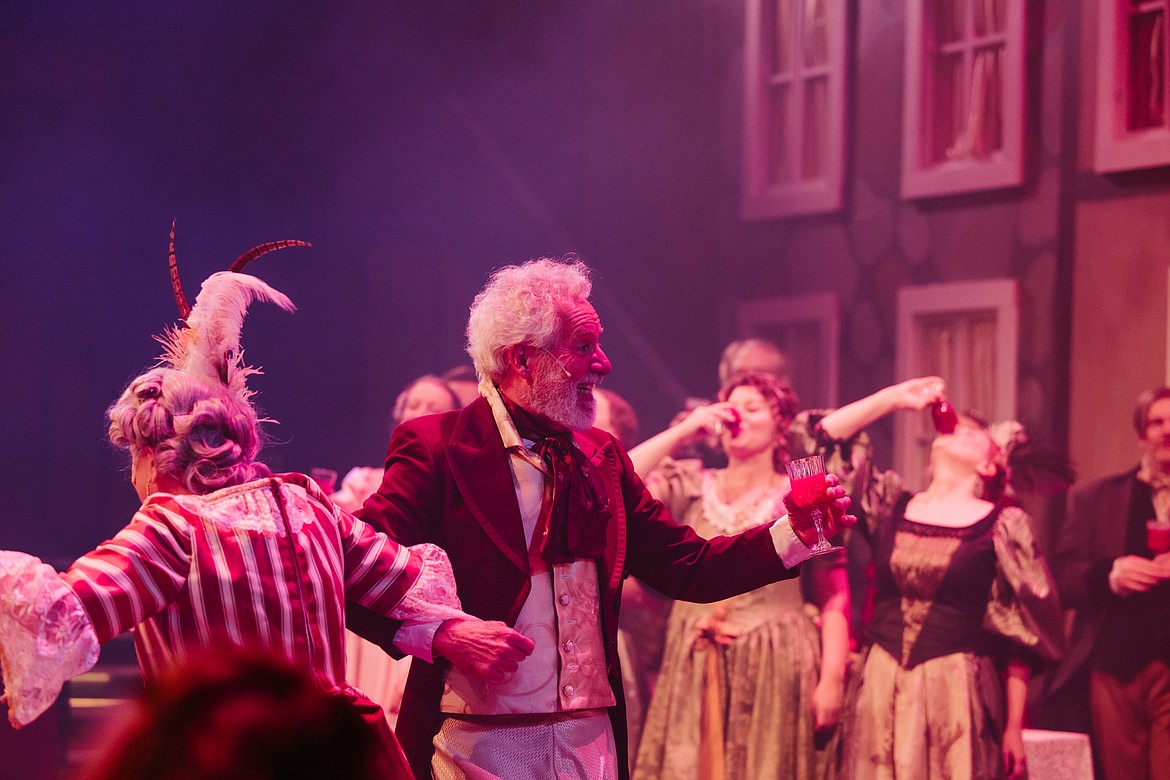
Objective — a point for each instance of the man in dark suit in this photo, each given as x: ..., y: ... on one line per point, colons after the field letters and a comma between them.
x: 1119, y: 656
x: 543, y: 517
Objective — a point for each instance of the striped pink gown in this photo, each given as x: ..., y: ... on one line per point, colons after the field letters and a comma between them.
x: 264, y: 565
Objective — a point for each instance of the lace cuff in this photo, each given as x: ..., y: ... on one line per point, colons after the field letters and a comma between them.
x: 46, y: 637
x: 433, y: 597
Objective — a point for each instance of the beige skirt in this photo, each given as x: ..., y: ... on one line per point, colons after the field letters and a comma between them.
x: 738, y: 711
x: 942, y: 719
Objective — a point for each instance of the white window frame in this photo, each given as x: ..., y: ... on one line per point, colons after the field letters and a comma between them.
x: 912, y: 432
x: 1005, y: 167
x: 1116, y: 148
x: 756, y: 318
x: 759, y: 199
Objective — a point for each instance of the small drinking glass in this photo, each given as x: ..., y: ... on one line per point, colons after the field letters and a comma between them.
x: 807, y: 476
x: 730, y: 426
x: 944, y: 417
x: 1158, y: 536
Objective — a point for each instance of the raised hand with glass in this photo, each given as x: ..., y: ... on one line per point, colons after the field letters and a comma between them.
x: 807, y: 476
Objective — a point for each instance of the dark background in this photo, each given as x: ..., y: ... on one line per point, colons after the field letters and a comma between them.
x: 419, y: 145
x: 416, y: 145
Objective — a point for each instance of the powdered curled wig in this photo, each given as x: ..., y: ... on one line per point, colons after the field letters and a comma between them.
x: 202, y: 433
x: 194, y: 411
x: 522, y: 304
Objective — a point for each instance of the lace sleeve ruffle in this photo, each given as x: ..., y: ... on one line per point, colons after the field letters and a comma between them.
x: 433, y: 597
x: 1023, y: 608
x: 46, y: 636
x: 883, y: 490
x: 846, y: 458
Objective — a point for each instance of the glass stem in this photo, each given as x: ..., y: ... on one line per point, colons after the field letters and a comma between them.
x: 816, y: 515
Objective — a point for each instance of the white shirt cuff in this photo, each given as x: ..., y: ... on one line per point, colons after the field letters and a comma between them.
x: 417, y: 639
x: 788, y: 546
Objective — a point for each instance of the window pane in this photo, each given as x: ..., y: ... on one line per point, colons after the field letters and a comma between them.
x: 780, y: 164
x: 989, y: 16
x: 1146, y: 90
x: 816, y: 130
x: 985, y: 112
x: 948, y: 18
x: 962, y: 347
x: 781, y: 27
x: 982, y: 357
x: 946, y: 108
x: 937, y: 347
x: 816, y: 32
x: 937, y: 355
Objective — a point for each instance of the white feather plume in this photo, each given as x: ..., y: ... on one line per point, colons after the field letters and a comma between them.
x: 209, y: 343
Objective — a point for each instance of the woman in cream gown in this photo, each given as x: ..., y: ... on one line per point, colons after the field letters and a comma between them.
x: 746, y: 683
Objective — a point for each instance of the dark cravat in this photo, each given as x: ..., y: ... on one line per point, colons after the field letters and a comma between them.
x: 579, y: 511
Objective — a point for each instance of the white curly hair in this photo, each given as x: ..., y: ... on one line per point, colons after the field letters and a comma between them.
x: 522, y: 304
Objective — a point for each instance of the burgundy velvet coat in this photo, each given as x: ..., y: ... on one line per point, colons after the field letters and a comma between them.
x: 448, y: 481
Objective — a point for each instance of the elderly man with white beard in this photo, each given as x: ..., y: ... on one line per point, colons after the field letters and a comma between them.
x: 543, y: 517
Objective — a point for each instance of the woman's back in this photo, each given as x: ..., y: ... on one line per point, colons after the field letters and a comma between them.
x: 259, y: 565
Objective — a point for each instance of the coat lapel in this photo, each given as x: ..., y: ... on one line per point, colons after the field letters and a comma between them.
x: 482, y: 473
x: 603, y: 458
x: 1115, y: 513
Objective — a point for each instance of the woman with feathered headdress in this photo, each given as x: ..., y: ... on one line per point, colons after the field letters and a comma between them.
x: 223, y: 553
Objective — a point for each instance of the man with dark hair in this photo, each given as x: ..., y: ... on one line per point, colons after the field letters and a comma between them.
x: 1117, y: 579
x: 543, y: 517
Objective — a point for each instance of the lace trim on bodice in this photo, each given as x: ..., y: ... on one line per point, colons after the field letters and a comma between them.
x: 977, y: 528
x: 756, y: 507
x: 252, y: 507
